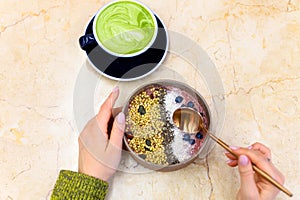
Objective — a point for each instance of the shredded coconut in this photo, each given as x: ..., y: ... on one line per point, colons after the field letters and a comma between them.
x: 181, y: 148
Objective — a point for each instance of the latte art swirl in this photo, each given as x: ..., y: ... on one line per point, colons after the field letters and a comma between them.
x: 125, y: 27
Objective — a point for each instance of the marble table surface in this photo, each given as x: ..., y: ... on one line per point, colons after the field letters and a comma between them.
x: 254, y: 46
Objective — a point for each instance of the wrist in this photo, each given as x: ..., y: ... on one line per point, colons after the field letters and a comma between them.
x: 96, y: 173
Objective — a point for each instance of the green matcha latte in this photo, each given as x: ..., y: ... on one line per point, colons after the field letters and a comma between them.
x: 125, y: 28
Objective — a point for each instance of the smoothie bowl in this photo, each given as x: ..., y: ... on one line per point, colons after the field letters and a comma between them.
x: 151, y: 135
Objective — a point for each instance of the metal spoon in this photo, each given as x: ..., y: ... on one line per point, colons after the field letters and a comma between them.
x: 190, y: 121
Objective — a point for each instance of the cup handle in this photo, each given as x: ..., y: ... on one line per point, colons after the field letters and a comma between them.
x: 87, y: 41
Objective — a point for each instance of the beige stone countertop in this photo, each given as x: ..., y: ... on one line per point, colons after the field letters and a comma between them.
x: 255, y: 46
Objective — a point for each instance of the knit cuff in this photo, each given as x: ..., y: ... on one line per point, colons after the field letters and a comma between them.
x: 73, y: 185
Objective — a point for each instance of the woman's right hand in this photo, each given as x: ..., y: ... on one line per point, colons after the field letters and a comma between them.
x: 253, y: 186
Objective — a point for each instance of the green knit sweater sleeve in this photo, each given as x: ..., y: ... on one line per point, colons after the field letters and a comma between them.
x: 73, y: 185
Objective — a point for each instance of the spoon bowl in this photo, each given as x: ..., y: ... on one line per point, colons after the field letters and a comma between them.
x: 188, y: 120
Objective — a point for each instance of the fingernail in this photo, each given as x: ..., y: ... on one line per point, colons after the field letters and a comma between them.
x: 229, y: 161
x: 243, y: 160
x: 234, y: 147
x: 121, y: 118
x: 250, y: 147
x: 115, y: 89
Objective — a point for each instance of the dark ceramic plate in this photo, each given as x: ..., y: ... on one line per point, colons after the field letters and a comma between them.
x: 129, y: 68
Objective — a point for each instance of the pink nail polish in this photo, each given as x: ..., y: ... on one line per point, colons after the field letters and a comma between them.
x: 115, y: 89
x: 243, y: 160
x: 234, y: 147
x: 229, y: 161
x: 121, y: 118
x: 250, y: 147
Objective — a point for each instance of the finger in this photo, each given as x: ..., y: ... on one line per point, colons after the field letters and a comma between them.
x: 230, y: 156
x: 117, y: 133
x: 116, y: 111
x: 232, y: 163
x: 257, y: 158
x: 248, y: 189
x: 105, y: 111
x: 276, y: 174
x: 262, y: 148
x: 92, y: 138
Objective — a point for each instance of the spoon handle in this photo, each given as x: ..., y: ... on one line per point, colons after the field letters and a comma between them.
x: 255, y: 168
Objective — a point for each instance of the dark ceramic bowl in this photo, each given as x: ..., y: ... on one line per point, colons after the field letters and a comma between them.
x: 151, y: 137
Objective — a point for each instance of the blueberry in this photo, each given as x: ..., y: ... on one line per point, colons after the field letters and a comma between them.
x: 199, y: 135
x: 143, y: 156
x: 148, y: 142
x: 192, y: 141
x: 186, y: 137
x: 178, y: 99
x: 142, y: 110
x: 190, y: 104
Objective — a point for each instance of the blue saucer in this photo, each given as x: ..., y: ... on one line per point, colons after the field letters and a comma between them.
x: 129, y: 68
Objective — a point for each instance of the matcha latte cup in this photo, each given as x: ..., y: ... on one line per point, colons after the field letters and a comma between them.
x: 123, y: 28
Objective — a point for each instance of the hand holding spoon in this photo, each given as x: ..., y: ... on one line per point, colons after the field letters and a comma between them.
x: 190, y: 121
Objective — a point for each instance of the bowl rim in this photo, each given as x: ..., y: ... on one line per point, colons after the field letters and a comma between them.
x: 168, y: 167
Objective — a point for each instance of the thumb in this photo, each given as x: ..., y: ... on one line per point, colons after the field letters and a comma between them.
x: 117, y: 132
x: 248, y: 189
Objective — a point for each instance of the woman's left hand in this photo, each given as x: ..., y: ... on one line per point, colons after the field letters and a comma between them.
x: 99, y: 149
